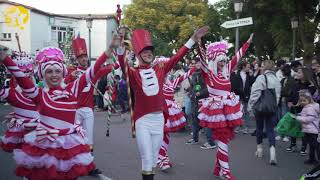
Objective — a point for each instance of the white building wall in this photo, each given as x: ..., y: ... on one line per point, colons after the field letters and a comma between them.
x: 22, y: 28
x: 40, y: 31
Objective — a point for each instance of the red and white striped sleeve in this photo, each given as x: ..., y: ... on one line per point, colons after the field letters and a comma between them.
x: 178, y: 80
x: 79, y: 84
x: 4, y: 93
x: 238, y: 56
x: 26, y: 84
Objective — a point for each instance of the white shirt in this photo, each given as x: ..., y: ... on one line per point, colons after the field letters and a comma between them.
x: 243, y: 77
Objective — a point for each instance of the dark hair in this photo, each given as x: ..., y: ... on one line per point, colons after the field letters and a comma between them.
x: 308, y: 76
x: 241, y: 64
x: 280, y: 62
x: 295, y: 64
x: 286, y: 70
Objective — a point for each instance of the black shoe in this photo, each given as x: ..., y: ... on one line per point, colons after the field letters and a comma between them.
x: 310, y: 162
x: 254, y: 133
x: 95, y: 172
x: 291, y: 148
x: 147, y: 177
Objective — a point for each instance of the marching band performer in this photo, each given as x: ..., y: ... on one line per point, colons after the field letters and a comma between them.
x: 147, y: 84
x: 221, y: 111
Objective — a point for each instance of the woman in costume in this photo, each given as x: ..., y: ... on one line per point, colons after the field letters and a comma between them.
x: 25, y: 116
x: 221, y: 111
x: 174, y: 116
x: 57, y: 149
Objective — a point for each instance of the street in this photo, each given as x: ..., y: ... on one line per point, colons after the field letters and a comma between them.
x: 117, y: 156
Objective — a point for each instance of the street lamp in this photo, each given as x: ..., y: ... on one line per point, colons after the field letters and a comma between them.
x: 238, y: 4
x: 294, y: 26
x: 89, y: 26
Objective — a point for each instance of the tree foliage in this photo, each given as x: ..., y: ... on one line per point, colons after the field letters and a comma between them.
x: 168, y: 20
x: 272, y: 25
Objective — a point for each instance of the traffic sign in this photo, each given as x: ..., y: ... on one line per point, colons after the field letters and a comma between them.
x: 237, y: 23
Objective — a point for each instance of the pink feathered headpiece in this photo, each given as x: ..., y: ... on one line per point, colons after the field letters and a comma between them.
x: 50, y: 56
x: 24, y: 61
x: 216, y: 49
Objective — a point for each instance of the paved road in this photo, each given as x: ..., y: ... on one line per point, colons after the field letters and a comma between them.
x: 117, y: 157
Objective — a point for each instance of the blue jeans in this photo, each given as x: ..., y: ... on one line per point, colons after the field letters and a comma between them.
x: 209, y: 136
x: 195, y: 129
x: 269, y: 121
x: 245, y: 112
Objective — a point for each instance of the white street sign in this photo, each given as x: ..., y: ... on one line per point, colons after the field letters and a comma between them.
x: 237, y: 23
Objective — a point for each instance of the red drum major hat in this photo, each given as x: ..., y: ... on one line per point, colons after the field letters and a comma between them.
x: 141, y: 39
x: 79, y: 46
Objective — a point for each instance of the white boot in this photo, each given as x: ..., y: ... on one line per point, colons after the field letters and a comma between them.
x: 259, y: 152
x: 273, y: 159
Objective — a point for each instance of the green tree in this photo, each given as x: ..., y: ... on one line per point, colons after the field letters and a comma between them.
x: 168, y: 20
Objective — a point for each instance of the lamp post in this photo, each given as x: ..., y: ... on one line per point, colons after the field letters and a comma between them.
x: 89, y: 26
x: 238, y: 4
x: 294, y: 26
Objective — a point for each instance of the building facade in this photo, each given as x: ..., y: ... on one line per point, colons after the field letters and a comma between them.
x: 37, y: 29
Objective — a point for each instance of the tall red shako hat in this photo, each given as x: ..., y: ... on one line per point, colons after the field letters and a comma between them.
x: 79, y: 46
x: 141, y: 39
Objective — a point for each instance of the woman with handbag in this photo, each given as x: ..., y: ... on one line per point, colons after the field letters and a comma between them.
x: 265, y: 83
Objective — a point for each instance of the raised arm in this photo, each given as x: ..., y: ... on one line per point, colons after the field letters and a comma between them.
x: 239, y: 54
x: 186, y: 75
x: 26, y: 84
x: 183, y: 50
x: 104, y: 71
x: 123, y: 63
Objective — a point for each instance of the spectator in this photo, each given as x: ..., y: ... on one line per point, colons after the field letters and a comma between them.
x: 304, y: 81
x: 287, y: 83
x: 279, y: 73
x: 198, y: 90
x: 295, y: 65
x: 123, y: 95
x: 257, y: 87
x: 309, y: 118
x: 241, y: 82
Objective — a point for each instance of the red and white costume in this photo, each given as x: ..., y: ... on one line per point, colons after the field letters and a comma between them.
x: 221, y: 111
x: 175, y: 118
x: 57, y: 149
x: 85, y: 104
x: 147, y: 83
x: 25, y: 116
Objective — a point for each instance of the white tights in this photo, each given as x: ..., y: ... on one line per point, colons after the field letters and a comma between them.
x: 149, y: 133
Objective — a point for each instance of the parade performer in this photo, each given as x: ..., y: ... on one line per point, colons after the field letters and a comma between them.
x: 25, y: 116
x: 174, y: 116
x: 222, y: 110
x: 85, y: 100
x: 57, y: 149
x: 147, y: 84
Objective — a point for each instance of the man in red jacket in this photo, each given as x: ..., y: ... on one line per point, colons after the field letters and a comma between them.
x: 147, y: 83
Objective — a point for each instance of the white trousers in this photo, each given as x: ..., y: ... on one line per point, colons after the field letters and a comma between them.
x: 149, y: 134
x: 85, y: 116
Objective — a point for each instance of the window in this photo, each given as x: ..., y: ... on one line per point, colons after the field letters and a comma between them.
x: 59, y: 34
x: 5, y: 37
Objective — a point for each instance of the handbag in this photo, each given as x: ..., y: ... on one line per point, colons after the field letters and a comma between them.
x: 267, y: 103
